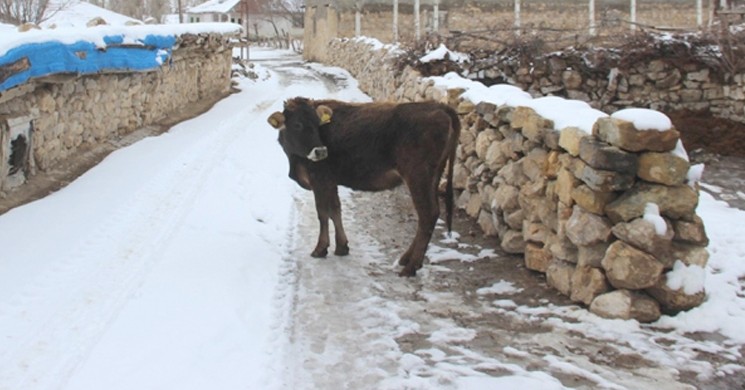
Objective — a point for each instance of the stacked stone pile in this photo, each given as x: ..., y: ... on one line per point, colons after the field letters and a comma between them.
x: 574, y: 204
x: 606, y: 216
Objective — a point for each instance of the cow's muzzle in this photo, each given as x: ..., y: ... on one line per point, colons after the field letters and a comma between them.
x: 318, y: 153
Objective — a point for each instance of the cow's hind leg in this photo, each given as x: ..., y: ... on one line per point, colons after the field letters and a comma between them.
x: 423, y: 191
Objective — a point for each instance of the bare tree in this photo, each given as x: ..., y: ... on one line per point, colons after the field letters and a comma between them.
x: 23, y: 11
x: 157, y: 8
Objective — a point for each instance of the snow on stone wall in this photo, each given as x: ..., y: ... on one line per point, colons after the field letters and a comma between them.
x: 69, y: 109
x: 577, y: 200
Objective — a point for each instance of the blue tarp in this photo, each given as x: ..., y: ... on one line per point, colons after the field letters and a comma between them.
x: 83, y: 57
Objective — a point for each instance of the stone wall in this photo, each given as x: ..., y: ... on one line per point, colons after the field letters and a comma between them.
x: 665, y: 84
x: 61, y: 114
x: 605, y: 214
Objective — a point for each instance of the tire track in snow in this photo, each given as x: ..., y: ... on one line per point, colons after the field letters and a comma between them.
x: 81, y: 295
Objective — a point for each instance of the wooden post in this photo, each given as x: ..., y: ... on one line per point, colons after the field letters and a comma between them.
x: 699, y: 14
x: 436, y: 17
x: 417, y: 24
x: 395, y: 21
x: 632, y: 12
x: 357, y: 19
x: 180, y: 13
x: 591, y: 11
x: 517, y: 23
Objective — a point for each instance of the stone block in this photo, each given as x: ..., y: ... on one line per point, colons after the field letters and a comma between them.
x: 588, y: 283
x: 570, y: 139
x: 537, y: 258
x: 561, y: 248
x: 506, y: 198
x: 602, y: 180
x: 585, y: 228
x: 624, y: 135
x: 676, y: 202
x: 533, y: 125
x: 591, y: 200
x: 486, y: 222
x: 600, y: 155
x: 642, y: 234
x: 592, y: 255
x: 663, y: 168
x: 535, y: 232
x: 689, y: 255
x: 513, y: 242
x: 674, y: 301
x: 626, y: 305
x: 559, y: 276
x: 630, y: 268
x: 691, y: 232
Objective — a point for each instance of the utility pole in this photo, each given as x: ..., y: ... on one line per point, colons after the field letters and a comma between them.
x: 180, y: 13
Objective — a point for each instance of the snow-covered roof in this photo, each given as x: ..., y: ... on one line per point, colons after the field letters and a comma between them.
x: 214, y: 6
x: 78, y: 13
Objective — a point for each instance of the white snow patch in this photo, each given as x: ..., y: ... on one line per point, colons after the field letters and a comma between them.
x: 652, y: 215
x: 644, y: 119
x: 500, y: 288
x: 690, y: 278
x: 443, y: 53
x: 695, y: 172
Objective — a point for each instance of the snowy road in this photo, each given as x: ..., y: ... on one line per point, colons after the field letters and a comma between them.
x: 181, y: 262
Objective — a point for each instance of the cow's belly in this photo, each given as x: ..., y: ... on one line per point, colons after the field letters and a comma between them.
x: 378, y: 181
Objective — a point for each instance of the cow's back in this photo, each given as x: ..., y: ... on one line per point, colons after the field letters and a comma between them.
x: 366, y: 142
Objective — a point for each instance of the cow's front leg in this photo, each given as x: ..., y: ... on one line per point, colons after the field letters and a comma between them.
x: 322, y: 210
x: 342, y: 244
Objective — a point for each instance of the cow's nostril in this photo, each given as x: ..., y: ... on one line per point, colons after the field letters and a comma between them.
x: 318, y: 153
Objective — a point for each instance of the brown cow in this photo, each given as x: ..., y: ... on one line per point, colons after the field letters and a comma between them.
x: 370, y: 147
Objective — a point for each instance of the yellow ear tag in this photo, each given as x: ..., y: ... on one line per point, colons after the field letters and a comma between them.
x: 325, y: 118
x: 273, y: 122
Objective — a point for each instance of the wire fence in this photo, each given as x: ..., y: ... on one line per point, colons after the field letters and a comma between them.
x: 487, y: 24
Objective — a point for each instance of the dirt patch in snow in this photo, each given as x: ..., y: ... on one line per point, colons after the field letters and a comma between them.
x: 700, y: 130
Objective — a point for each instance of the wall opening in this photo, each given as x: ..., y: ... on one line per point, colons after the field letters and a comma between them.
x: 15, y: 152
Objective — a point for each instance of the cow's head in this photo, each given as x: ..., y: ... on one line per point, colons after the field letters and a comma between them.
x: 299, y: 126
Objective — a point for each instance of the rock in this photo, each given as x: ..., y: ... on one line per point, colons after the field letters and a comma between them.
x: 591, y: 200
x: 663, y: 168
x: 674, y: 301
x: 626, y: 305
x: 561, y: 248
x: 484, y: 108
x: 600, y: 155
x: 537, y: 257
x: 591, y: 255
x: 553, y: 165
x: 484, y: 140
x: 505, y: 198
x: 97, y: 21
x: 533, y: 125
x: 689, y: 255
x: 588, y: 283
x: 559, y: 276
x: 512, y: 174
x: 571, y: 79
x: 535, y: 232
x: 585, y: 228
x: 473, y: 208
x: 495, y: 157
x: 630, y: 268
x: 601, y: 180
x: 641, y: 234
x: 565, y: 184
x: 515, y: 219
x: 570, y: 139
x: 28, y: 27
x: 691, y: 232
x: 460, y: 176
x: 678, y: 202
x: 513, y: 242
x: 485, y: 221
x: 623, y: 134
x: 534, y: 164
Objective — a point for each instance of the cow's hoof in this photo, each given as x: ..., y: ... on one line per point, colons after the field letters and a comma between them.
x: 404, y: 260
x: 406, y: 272
x: 342, y: 250
x: 319, y: 253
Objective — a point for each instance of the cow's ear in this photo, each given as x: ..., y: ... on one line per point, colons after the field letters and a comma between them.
x: 277, y: 120
x: 324, y: 114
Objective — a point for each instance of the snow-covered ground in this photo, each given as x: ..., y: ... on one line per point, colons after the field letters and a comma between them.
x: 180, y: 262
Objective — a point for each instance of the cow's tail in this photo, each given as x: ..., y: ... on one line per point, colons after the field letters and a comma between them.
x: 452, y: 146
